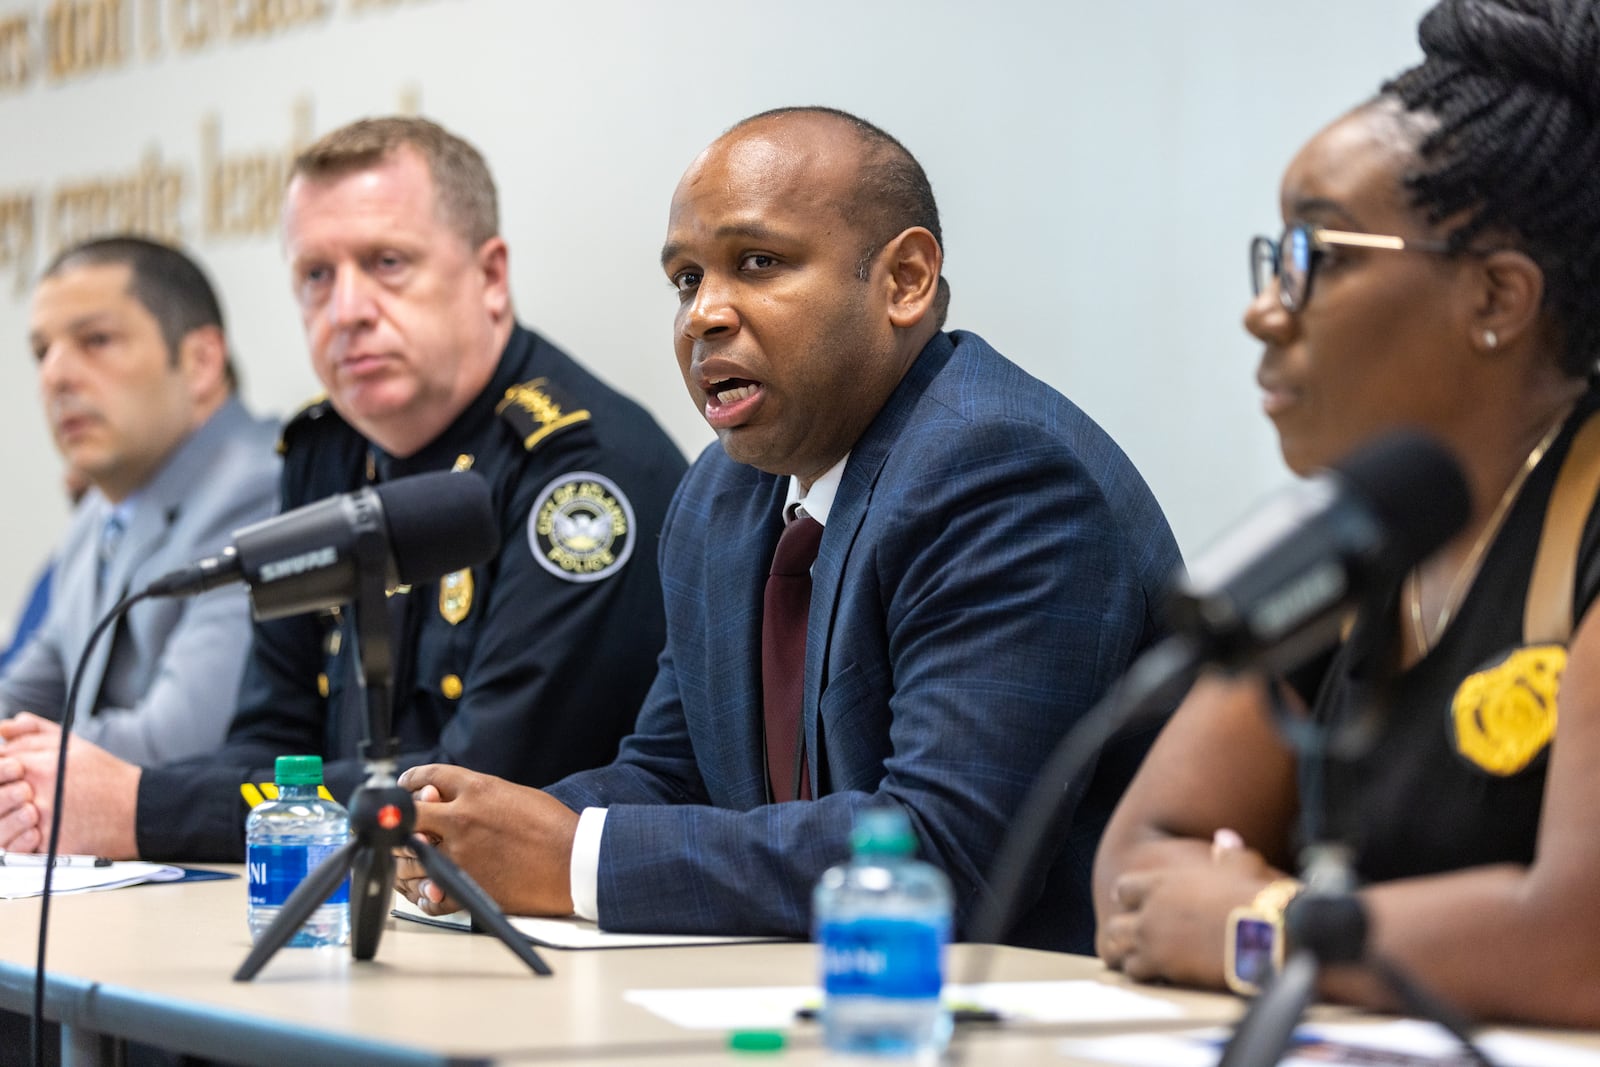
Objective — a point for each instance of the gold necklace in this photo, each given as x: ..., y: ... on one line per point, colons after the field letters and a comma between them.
x: 1468, y: 570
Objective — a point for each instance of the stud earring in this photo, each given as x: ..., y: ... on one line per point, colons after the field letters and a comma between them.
x: 1491, y: 339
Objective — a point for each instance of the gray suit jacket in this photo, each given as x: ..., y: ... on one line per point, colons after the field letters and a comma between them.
x: 163, y: 684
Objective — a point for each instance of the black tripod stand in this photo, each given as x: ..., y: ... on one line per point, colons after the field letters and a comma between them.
x: 382, y: 816
x: 1326, y: 923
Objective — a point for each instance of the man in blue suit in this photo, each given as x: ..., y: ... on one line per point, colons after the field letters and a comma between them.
x: 988, y: 564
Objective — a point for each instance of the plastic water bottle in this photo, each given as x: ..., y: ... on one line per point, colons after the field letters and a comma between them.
x: 883, y: 921
x: 285, y: 839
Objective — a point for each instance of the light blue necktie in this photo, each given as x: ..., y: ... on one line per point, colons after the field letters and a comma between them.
x: 110, y: 538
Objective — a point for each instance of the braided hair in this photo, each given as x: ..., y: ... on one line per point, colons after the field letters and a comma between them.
x: 1515, y: 88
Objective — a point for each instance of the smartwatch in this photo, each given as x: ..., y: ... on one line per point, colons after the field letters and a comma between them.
x: 1254, y: 947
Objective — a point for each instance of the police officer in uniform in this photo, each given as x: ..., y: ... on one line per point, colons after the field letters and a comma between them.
x: 530, y: 666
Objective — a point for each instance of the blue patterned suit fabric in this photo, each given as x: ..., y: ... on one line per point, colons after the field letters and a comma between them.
x: 991, y: 565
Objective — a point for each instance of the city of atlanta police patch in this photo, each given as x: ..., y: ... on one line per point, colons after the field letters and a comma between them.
x: 581, y: 527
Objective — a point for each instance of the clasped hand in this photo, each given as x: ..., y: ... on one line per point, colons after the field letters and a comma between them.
x: 102, y: 792
x: 1169, y: 922
x: 515, y: 842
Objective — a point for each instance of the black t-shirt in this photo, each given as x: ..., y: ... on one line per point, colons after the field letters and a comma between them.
x: 1455, y: 773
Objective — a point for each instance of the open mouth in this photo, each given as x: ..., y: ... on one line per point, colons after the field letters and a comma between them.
x: 731, y: 390
x: 731, y: 401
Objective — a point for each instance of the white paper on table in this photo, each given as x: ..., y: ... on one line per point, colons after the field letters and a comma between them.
x: 1398, y: 1043
x: 566, y: 931
x: 17, y: 882
x: 774, y: 1007
x: 746, y: 1008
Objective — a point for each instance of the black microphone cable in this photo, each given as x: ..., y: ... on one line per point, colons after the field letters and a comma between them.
x: 53, y: 848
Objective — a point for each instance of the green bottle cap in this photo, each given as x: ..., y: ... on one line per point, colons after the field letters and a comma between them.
x: 298, y: 770
x: 882, y: 832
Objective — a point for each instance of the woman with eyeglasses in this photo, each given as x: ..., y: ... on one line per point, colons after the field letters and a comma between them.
x: 1439, y: 269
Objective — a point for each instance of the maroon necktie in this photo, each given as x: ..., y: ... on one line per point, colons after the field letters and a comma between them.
x: 783, y: 654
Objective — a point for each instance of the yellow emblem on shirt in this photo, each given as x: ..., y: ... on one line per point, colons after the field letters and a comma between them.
x: 1505, y: 716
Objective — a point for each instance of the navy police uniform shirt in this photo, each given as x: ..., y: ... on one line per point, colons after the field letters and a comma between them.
x: 529, y: 667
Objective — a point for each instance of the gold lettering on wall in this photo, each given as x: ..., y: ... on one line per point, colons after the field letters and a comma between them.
x: 196, y: 24
x: 243, y: 192
x: 85, y: 36
x: 16, y: 52
x: 16, y: 238
x: 146, y: 200
x: 150, y: 27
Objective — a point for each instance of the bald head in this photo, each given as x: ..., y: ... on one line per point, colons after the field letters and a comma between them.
x: 806, y: 289
x: 888, y: 192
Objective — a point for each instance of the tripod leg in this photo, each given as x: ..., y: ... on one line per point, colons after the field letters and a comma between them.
x: 1262, y: 1036
x: 371, y: 885
x: 318, y: 886
x: 455, y: 882
x: 1421, y: 1002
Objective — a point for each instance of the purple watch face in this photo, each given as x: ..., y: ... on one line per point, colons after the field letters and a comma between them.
x: 1255, y: 951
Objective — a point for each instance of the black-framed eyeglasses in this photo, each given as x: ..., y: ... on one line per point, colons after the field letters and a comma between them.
x: 1292, y: 259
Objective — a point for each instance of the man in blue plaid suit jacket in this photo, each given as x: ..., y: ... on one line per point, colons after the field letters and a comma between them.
x: 988, y: 567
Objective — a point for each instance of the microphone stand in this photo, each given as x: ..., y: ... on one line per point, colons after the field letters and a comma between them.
x: 382, y: 815
x: 1326, y: 924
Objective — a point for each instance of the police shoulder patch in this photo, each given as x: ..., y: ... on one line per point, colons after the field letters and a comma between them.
x: 1504, y: 716
x: 580, y: 527
x: 305, y: 414
x: 537, y: 411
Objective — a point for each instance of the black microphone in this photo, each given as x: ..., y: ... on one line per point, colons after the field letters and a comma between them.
x: 1275, y: 591
x: 307, y: 559
x: 1270, y: 595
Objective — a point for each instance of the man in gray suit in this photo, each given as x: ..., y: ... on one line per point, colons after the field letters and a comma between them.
x: 140, y: 396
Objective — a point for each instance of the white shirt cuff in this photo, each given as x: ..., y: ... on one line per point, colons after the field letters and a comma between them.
x: 586, y: 864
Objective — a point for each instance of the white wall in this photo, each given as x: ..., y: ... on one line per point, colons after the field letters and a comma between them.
x: 1100, y: 165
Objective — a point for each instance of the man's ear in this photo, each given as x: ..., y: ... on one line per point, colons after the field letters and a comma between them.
x: 913, y: 261
x: 1506, y: 300
x: 494, y: 260
x: 202, y: 359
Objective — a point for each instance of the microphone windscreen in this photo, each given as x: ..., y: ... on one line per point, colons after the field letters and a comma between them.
x: 438, y: 522
x: 1414, y: 488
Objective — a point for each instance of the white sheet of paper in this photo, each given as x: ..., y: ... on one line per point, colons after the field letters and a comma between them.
x: 566, y: 932
x: 28, y: 881
x: 1401, y: 1043
x: 774, y: 1007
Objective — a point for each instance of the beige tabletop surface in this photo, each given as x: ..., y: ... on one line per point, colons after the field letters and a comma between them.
x: 154, y: 963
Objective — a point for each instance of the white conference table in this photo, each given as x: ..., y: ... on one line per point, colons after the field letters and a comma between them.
x: 153, y: 964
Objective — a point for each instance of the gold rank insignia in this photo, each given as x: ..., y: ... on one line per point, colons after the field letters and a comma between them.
x: 455, y: 596
x: 580, y: 527
x: 536, y: 413
x: 1505, y: 715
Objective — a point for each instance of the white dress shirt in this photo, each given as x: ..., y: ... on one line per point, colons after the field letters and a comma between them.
x: 591, y: 824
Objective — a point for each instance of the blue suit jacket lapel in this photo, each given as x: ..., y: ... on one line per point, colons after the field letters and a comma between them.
x: 845, y: 519
x: 747, y: 524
